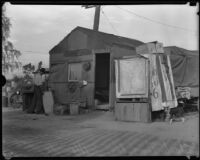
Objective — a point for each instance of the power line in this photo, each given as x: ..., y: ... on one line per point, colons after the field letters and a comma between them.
x: 154, y: 21
x: 109, y: 22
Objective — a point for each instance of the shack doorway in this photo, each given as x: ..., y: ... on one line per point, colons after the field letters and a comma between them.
x: 102, y: 80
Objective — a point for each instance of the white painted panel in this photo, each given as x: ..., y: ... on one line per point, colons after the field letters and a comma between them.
x: 132, y: 77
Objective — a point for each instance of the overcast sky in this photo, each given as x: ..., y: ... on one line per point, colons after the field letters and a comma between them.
x: 38, y: 28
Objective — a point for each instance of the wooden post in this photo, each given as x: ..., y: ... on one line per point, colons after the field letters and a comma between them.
x: 167, y: 113
x: 96, y: 16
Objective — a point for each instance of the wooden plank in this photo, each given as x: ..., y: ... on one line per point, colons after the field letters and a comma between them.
x: 148, y: 48
x: 145, y: 113
x: 103, y: 106
x: 78, y: 52
x: 133, y: 112
x: 129, y: 116
x: 134, y: 100
x: 136, y: 112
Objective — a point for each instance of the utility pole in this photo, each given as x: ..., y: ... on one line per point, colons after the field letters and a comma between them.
x: 96, y: 15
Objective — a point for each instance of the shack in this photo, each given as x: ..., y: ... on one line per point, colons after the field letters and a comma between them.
x: 82, y: 67
x: 87, y: 56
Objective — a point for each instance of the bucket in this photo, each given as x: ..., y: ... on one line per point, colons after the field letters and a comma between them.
x: 74, y: 108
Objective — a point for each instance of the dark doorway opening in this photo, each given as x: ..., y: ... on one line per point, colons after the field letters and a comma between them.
x: 102, y: 78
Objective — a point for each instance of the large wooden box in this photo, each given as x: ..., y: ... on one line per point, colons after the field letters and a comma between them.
x: 153, y: 47
x: 133, y: 112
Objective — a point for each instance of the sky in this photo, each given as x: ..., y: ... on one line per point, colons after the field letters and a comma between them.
x: 38, y: 28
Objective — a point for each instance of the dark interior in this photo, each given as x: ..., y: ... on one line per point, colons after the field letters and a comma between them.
x: 102, y: 77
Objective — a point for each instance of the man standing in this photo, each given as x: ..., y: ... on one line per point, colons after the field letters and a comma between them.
x: 27, y: 88
x: 37, y: 103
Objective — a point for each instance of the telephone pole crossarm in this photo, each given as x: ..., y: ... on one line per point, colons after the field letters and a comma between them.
x: 96, y: 15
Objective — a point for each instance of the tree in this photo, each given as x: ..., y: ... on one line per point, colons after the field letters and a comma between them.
x: 9, y: 54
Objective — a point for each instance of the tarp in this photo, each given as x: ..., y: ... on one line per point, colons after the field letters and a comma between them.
x: 185, y: 66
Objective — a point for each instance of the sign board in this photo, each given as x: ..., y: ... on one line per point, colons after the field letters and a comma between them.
x: 131, y: 78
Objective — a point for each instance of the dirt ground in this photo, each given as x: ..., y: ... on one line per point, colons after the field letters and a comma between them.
x: 188, y: 130
x: 84, y: 135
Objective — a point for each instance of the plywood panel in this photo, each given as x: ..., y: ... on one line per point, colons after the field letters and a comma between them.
x: 77, y: 40
x: 133, y: 112
x: 79, y: 58
x: 120, y: 51
x: 136, y: 112
x: 131, y: 78
x: 57, y: 58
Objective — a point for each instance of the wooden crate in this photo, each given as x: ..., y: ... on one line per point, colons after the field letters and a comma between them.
x: 133, y: 112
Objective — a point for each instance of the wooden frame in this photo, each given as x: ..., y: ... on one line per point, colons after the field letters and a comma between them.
x: 100, y: 51
x: 68, y: 68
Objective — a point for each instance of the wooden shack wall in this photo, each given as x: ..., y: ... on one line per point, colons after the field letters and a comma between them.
x: 87, y: 92
x: 57, y: 58
x: 79, y: 41
x: 59, y: 80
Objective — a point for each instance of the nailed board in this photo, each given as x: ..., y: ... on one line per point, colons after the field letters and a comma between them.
x: 133, y: 112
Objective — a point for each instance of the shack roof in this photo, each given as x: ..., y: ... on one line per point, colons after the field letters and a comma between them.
x: 106, y: 38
